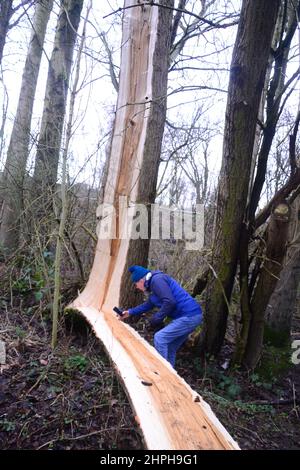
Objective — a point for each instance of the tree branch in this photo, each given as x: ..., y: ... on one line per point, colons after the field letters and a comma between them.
x: 292, y: 145
x: 183, y: 10
x: 22, y: 4
x: 110, y: 61
x: 283, y: 193
x: 176, y: 20
x: 195, y: 87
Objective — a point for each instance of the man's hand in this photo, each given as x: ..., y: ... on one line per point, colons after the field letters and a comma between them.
x: 124, y: 316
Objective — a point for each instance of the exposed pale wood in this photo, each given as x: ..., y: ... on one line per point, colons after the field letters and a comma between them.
x: 170, y: 414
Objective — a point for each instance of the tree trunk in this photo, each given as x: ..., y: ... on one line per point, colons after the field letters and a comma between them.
x: 63, y: 188
x: 147, y: 181
x: 272, y: 265
x: 135, y: 150
x: 274, y: 95
x: 48, y: 149
x: 283, y: 303
x: 17, y: 155
x: 248, y: 69
x: 6, y: 11
x: 273, y: 90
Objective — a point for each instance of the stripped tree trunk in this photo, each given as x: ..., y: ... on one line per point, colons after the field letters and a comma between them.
x: 248, y: 69
x: 48, y: 149
x: 17, y: 155
x: 156, y: 114
x: 136, y: 142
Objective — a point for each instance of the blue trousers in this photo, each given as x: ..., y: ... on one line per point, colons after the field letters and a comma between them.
x: 169, y: 339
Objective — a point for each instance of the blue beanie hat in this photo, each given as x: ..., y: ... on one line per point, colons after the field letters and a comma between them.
x: 138, y: 272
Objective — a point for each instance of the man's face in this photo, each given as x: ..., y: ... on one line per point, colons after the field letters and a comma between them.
x: 140, y: 285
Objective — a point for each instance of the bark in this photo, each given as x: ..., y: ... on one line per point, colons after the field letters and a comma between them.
x: 48, y: 149
x: 248, y: 69
x: 283, y: 303
x: 17, y: 155
x: 275, y: 251
x: 242, y: 333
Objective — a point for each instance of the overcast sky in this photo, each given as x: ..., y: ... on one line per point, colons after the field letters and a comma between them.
x: 96, y: 101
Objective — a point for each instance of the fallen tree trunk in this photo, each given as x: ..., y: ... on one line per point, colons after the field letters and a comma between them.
x: 170, y: 414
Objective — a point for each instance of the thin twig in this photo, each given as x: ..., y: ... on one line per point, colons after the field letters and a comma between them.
x: 84, y: 436
x: 181, y: 10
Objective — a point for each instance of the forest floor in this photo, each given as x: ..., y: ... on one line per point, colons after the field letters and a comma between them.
x: 72, y: 399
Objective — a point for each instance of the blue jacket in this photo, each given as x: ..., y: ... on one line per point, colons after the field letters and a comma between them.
x: 171, y: 299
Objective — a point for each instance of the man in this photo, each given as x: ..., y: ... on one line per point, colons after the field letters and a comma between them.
x: 173, y: 302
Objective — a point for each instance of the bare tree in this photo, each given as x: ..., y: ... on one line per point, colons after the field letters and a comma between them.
x: 17, y: 154
x: 253, y: 300
x: 248, y: 69
x: 269, y: 268
x: 48, y: 148
x: 185, y: 158
x: 64, y: 198
x: 284, y: 34
x: 7, y: 10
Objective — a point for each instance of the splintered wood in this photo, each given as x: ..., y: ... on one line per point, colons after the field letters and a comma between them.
x: 171, y: 415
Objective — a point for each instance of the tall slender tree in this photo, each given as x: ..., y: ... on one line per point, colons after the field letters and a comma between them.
x: 271, y: 260
x: 276, y: 90
x: 247, y: 74
x: 17, y: 155
x: 49, y: 143
x: 64, y: 198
